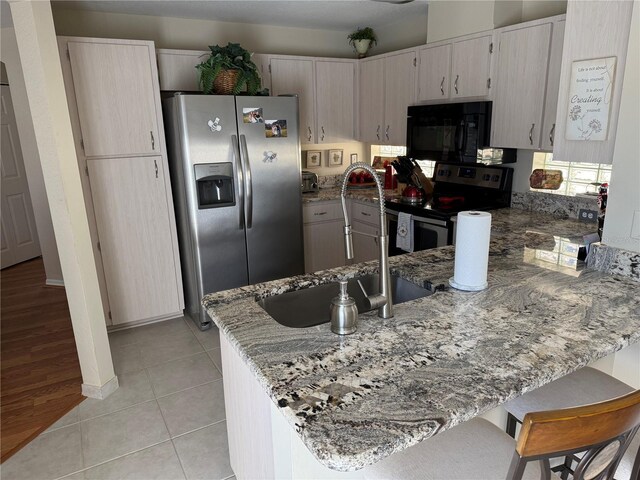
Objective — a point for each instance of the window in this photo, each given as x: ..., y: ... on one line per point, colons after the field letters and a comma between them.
x: 577, y: 176
x: 395, y: 150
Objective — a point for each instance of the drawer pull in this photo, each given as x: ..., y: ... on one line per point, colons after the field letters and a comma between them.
x: 320, y: 213
x: 366, y: 214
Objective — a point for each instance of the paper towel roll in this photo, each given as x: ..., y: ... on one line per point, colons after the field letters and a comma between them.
x: 472, y: 251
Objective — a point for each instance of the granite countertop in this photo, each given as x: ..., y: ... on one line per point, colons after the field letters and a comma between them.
x: 363, y: 194
x: 442, y: 359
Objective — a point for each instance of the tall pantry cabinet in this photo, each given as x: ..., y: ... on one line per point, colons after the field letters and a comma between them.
x: 114, y: 102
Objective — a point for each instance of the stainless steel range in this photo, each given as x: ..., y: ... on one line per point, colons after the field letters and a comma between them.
x: 458, y: 187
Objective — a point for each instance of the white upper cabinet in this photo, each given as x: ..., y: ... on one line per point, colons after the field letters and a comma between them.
x: 399, y: 93
x: 177, y: 69
x: 553, y: 86
x: 335, y: 99
x: 115, y: 95
x: 371, y: 100
x: 295, y: 76
x: 471, y: 67
x: 523, y: 56
x: 326, y: 91
x: 593, y: 30
x: 387, y: 88
x: 435, y: 73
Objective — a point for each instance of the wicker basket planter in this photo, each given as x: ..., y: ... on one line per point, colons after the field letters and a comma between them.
x: 225, y: 81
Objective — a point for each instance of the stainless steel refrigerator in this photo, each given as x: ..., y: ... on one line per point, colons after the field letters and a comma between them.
x: 235, y: 176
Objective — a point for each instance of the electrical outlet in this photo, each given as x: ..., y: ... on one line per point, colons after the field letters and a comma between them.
x: 587, y: 215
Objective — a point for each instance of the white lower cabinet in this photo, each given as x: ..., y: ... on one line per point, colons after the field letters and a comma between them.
x: 137, y: 238
x: 323, y: 236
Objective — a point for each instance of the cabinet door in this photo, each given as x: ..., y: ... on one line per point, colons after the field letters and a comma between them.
x: 134, y: 228
x: 335, y: 101
x: 520, y: 87
x: 114, y: 90
x: 434, y: 74
x: 553, y: 87
x: 290, y: 76
x: 399, y: 93
x: 365, y: 248
x: 371, y: 95
x: 262, y: 62
x: 471, y: 67
x: 177, y: 69
x: 323, y: 246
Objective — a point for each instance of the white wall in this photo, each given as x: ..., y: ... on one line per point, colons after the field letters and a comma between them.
x: 9, y: 55
x: 449, y: 19
x: 622, y: 221
x: 192, y: 34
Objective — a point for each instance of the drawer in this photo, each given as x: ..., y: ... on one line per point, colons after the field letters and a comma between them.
x: 365, y: 212
x: 321, y: 211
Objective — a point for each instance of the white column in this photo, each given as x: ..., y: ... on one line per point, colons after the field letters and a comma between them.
x: 36, y: 39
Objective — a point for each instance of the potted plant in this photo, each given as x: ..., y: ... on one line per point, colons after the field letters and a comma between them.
x: 228, y: 70
x: 362, y: 39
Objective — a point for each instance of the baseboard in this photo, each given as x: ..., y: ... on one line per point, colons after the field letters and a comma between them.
x: 148, y: 321
x: 52, y: 282
x: 100, y: 392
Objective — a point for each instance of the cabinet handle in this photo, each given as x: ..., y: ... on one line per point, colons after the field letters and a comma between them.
x: 386, y: 133
x: 320, y: 213
x: 378, y: 132
x: 153, y: 141
x: 553, y: 130
x: 322, y: 129
x: 442, y: 86
x: 455, y: 84
x: 375, y: 239
x: 309, y: 136
x: 366, y: 214
x: 155, y: 163
x: 531, y: 133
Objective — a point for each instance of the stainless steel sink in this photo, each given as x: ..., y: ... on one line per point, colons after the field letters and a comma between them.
x: 309, y: 307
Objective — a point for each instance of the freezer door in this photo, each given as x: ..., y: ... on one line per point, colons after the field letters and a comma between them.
x: 270, y: 149
x: 214, y: 192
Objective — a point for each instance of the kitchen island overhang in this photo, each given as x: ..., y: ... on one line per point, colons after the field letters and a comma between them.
x: 443, y: 359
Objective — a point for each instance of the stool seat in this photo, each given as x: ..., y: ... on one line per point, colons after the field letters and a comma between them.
x: 581, y: 387
x: 473, y: 449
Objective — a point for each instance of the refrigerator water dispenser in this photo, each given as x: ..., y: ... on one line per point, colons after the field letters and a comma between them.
x: 214, y: 185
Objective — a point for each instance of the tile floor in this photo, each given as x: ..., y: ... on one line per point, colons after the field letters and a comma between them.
x: 166, y: 421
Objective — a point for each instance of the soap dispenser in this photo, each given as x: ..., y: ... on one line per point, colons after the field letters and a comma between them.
x: 344, y: 313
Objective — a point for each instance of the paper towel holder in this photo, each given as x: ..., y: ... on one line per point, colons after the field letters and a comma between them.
x: 463, y: 287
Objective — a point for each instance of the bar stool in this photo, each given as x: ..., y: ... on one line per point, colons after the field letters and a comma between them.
x: 581, y: 387
x: 479, y: 450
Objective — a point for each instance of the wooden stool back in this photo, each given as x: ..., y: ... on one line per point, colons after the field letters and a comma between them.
x: 601, y: 430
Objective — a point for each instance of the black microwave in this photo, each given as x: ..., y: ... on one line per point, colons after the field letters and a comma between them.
x: 452, y: 132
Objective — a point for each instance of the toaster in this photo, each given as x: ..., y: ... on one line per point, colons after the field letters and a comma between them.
x: 309, y: 182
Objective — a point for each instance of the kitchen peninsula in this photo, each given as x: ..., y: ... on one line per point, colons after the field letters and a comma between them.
x: 442, y: 360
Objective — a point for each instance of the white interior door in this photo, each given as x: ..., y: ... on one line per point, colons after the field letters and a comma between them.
x: 19, y: 237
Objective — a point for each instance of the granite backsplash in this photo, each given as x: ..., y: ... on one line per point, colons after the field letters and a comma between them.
x: 558, y: 205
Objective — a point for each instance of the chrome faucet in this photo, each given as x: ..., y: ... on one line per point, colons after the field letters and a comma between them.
x: 382, y: 300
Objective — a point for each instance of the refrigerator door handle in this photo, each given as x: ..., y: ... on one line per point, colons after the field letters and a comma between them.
x: 237, y: 158
x: 248, y: 183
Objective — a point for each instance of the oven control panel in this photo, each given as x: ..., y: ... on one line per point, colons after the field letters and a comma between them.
x: 470, y: 174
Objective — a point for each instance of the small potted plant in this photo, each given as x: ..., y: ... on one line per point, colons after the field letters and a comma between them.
x: 363, y: 39
x: 228, y: 70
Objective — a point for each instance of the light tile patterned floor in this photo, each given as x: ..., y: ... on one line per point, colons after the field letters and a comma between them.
x: 166, y: 421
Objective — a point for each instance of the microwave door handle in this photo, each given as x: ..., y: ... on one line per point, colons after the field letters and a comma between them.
x: 459, y: 140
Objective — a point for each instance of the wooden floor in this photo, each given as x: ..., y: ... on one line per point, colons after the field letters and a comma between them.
x: 40, y: 372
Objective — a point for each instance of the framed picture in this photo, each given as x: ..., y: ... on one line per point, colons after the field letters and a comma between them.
x: 335, y: 158
x: 314, y: 158
x: 354, y: 158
